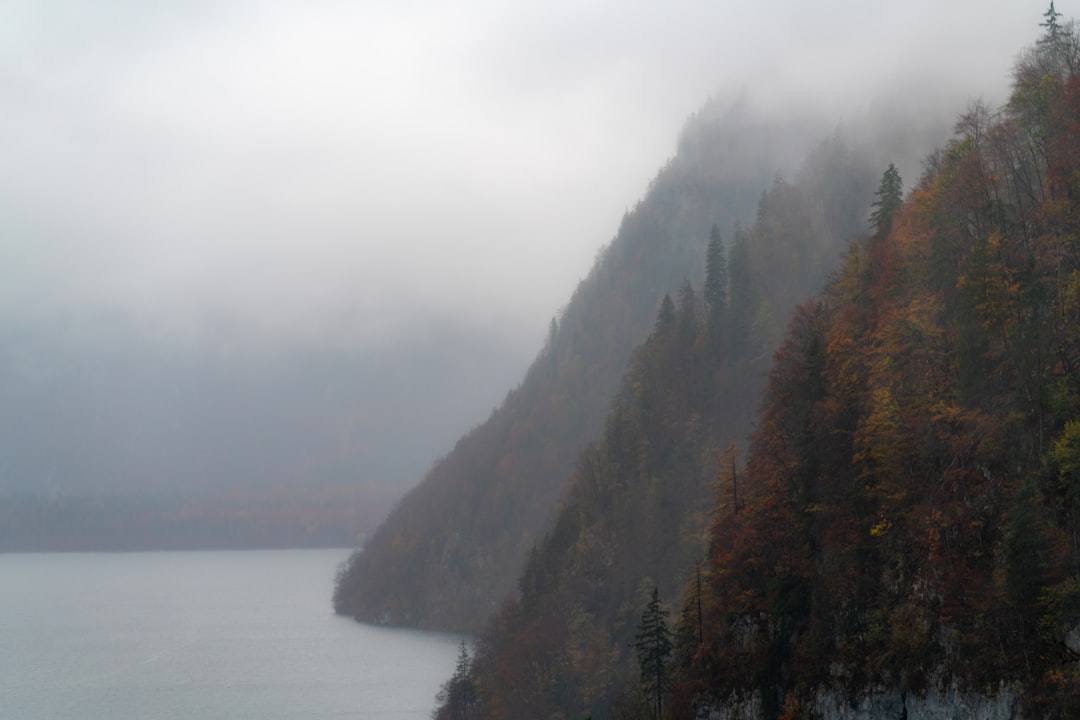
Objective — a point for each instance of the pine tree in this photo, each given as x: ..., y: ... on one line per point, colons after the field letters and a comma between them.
x: 716, y: 290
x: 458, y: 694
x: 653, y: 645
x: 890, y: 195
x: 1051, y: 22
x: 742, y: 295
x: 715, y: 275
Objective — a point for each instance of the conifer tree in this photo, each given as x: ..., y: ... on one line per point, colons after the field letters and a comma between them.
x: 716, y: 282
x: 743, y: 294
x: 653, y: 645
x: 890, y: 195
x: 1025, y: 549
x: 1051, y: 21
x: 458, y: 694
x: 715, y: 275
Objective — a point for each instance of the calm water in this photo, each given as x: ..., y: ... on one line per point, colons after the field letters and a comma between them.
x: 202, y: 635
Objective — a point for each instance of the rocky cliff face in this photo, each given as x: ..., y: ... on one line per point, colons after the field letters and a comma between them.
x: 937, y: 704
x: 883, y: 703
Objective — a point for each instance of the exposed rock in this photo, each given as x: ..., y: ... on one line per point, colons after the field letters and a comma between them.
x: 880, y: 703
x: 737, y: 707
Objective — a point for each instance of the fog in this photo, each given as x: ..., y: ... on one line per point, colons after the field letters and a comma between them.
x: 249, y: 181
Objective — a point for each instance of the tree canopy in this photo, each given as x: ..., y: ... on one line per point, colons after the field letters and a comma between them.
x: 909, y: 508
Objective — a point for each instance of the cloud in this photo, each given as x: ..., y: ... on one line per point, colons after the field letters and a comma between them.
x: 354, y: 168
x: 274, y: 241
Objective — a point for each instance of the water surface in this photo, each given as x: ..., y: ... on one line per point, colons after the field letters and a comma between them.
x: 246, y: 634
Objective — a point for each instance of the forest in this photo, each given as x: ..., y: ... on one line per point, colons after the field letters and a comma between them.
x: 905, y: 527
x: 455, y: 546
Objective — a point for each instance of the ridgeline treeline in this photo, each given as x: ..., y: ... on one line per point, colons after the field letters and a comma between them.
x: 907, y: 519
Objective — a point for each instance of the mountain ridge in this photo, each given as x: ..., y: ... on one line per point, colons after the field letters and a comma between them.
x: 903, y: 536
x: 453, y: 548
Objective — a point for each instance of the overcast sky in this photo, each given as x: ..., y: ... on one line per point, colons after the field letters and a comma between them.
x: 357, y: 169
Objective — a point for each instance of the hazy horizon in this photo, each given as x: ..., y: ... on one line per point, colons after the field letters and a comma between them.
x: 244, y: 186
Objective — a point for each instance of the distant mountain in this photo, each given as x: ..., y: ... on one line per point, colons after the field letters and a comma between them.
x: 98, y: 414
x: 298, y: 517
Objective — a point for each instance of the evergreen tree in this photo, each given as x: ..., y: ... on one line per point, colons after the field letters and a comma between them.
x: 716, y: 275
x: 743, y: 296
x: 1051, y: 21
x: 665, y: 316
x: 1025, y: 550
x: 687, y: 312
x: 458, y: 695
x: 716, y: 282
x: 653, y: 645
x: 890, y: 195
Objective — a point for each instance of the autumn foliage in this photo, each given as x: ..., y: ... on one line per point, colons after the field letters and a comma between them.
x: 909, y: 512
x: 912, y: 498
x: 635, y: 515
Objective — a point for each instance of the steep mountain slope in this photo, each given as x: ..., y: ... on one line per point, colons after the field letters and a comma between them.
x: 903, y: 540
x: 635, y: 517
x: 915, y: 505
x: 914, y: 481
x: 455, y: 545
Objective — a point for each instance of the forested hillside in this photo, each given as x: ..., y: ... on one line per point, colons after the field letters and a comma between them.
x: 454, y: 547
x: 906, y: 524
x: 636, y: 513
x: 914, y: 503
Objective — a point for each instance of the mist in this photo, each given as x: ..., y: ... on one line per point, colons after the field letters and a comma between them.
x: 274, y: 230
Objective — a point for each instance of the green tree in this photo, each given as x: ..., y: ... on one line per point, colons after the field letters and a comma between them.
x: 1039, y: 75
x: 653, y: 645
x: 715, y: 274
x: 890, y: 195
x: 1051, y: 21
x: 458, y: 694
x: 716, y: 290
x: 665, y: 316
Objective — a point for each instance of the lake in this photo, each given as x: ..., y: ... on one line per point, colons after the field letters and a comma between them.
x: 236, y: 635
